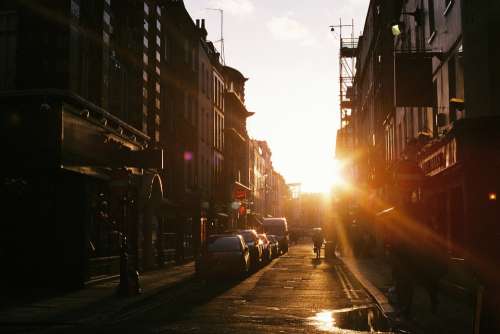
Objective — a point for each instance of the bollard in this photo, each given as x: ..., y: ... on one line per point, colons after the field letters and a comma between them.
x: 123, y: 288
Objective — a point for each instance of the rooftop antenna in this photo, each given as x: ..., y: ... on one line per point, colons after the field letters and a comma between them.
x: 221, y: 40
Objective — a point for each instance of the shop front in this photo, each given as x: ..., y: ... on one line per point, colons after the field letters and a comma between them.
x: 71, y: 188
x: 240, y: 205
x: 460, y: 196
x: 460, y: 192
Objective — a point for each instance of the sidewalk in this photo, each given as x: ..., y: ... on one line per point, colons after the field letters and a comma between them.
x: 94, y: 302
x: 454, y: 315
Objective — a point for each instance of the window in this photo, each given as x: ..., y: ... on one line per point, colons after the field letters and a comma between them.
x: 166, y: 48
x: 203, y: 83
x: 8, y: 49
x: 452, y: 87
x: 107, y: 18
x: 105, y: 37
x: 432, y: 22
x: 75, y: 9
x: 193, y: 60
x: 207, y: 83
x: 186, y: 52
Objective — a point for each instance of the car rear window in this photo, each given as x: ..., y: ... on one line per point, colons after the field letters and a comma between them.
x: 224, y: 244
x: 274, y: 229
x: 248, y: 236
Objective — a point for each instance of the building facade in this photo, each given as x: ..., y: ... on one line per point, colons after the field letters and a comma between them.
x: 74, y: 118
x: 113, y: 116
x: 236, y: 148
x: 439, y: 125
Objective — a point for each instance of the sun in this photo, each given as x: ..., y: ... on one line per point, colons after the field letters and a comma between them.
x: 326, y: 175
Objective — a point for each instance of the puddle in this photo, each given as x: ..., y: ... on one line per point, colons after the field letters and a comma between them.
x: 273, y: 308
x: 360, y: 319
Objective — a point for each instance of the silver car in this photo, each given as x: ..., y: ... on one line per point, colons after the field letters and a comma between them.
x: 224, y: 256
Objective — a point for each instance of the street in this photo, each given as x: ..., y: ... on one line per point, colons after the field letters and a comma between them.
x: 294, y: 294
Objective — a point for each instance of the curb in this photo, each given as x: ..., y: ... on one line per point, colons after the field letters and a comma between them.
x: 372, y: 290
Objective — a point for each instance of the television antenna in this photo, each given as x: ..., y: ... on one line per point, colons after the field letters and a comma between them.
x: 221, y: 40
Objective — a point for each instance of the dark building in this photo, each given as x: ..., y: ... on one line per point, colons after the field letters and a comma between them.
x: 82, y: 169
x: 236, y: 154
x: 373, y: 90
x: 219, y: 206
x: 179, y: 130
x: 205, y: 126
x: 444, y: 122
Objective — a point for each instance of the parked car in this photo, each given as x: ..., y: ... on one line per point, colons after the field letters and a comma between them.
x: 254, y: 245
x: 224, y: 255
x: 275, y: 249
x: 266, y: 248
x: 279, y: 228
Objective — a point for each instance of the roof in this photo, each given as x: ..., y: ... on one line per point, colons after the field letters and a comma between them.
x: 235, y: 74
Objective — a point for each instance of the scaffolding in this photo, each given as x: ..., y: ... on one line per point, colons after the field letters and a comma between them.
x: 347, y: 70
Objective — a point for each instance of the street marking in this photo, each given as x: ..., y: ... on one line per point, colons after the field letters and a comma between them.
x: 348, y: 282
x: 344, y: 285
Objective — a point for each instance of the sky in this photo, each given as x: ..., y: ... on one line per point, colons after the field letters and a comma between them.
x: 289, y: 54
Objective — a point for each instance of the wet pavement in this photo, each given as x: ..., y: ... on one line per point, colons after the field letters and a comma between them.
x: 293, y: 294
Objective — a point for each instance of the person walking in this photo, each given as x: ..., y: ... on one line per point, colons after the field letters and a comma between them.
x: 318, y: 240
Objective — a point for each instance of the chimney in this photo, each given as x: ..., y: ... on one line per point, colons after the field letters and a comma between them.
x: 197, y: 23
x: 203, y: 31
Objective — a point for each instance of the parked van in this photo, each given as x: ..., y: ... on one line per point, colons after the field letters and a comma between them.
x: 279, y: 228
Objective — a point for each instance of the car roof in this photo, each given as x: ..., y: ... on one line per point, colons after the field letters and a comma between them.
x: 247, y: 231
x: 275, y: 220
x: 224, y: 235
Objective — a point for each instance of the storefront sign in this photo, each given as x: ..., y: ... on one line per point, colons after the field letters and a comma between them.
x: 240, y: 194
x: 439, y: 160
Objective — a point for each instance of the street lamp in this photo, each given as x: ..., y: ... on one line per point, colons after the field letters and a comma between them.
x: 397, y: 26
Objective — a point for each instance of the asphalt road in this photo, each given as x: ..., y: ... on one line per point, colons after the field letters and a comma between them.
x: 293, y: 294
